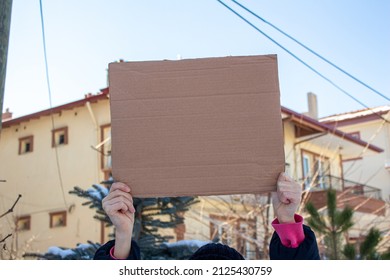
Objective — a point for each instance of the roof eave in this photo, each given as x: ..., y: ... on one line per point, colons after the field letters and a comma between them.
x: 78, y: 103
x: 331, y: 129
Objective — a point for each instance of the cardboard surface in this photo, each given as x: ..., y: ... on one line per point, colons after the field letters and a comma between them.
x: 208, y: 126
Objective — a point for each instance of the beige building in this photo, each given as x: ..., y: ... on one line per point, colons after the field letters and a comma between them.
x: 371, y: 170
x: 373, y: 126
x: 314, y: 154
x: 45, y: 154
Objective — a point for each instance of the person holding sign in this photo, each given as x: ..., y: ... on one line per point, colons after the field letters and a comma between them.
x: 292, y: 240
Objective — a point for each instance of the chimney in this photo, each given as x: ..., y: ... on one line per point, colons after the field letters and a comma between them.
x: 312, y: 104
x: 7, y: 115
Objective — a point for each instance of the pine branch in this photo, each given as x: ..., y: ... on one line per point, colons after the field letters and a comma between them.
x: 343, y: 219
x: 152, y: 214
x: 367, y: 248
x: 331, y: 196
x: 349, y: 252
x: 385, y: 256
x: 332, y: 226
x: 315, y: 220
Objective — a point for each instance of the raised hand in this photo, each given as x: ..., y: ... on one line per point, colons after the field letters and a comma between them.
x: 118, y: 205
x: 286, y: 199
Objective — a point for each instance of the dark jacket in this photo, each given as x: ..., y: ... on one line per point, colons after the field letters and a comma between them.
x: 103, y: 253
x: 307, y: 250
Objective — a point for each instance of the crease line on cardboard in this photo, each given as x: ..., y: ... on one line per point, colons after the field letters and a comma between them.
x: 256, y: 93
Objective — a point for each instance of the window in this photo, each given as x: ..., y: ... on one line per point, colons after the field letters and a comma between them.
x: 58, y: 219
x: 287, y: 168
x: 105, y: 146
x: 306, y: 170
x: 59, y: 137
x: 315, y: 170
x: 322, y: 168
x: 23, y: 223
x: 26, y: 145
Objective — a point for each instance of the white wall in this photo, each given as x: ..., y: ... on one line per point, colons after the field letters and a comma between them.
x: 371, y: 169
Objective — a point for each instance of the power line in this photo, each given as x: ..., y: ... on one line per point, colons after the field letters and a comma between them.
x: 312, y: 51
x: 300, y: 60
x: 50, y: 101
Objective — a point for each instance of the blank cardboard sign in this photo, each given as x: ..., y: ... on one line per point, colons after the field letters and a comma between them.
x: 208, y: 126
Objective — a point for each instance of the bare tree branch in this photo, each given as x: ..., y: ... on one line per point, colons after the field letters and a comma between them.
x: 5, y: 238
x: 12, y: 208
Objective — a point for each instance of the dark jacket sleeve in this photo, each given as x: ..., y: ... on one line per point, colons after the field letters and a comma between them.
x: 103, y: 253
x: 307, y: 250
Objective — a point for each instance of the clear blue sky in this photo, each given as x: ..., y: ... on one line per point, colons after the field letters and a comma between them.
x: 83, y: 37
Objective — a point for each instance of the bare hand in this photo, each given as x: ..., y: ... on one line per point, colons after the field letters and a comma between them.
x: 286, y: 199
x: 118, y: 205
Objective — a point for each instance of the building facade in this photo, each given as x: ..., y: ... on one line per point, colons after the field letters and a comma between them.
x: 44, y: 155
x: 314, y: 154
x: 373, y: 126
x: 372, y: 171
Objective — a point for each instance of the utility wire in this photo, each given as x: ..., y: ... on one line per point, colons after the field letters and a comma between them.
x: 50, y: 101
x: 301, y: 61
x: 311, y: 68
x: 312, y: 51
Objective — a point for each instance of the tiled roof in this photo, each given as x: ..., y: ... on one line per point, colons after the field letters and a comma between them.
x: 356, y: 114
x: 328, y: 128
x: 104, y: 94
x: 88, y: 98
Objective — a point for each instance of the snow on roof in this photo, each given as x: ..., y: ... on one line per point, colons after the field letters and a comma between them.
x: 356, y: 114
x: 84, y: 246
x: 189, y: 243
x: 67, y: 252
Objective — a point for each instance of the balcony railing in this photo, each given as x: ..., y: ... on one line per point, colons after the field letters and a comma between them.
x: 358, y: 196
x: 340, y: 184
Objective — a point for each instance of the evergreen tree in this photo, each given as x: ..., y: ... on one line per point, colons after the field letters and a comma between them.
x: 152, y: 214
x: 367, y: 249
x: 335, y: 224
x: 332, y: 226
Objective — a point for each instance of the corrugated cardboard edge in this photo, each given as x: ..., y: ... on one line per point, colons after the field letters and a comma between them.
x: 183, y: 192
